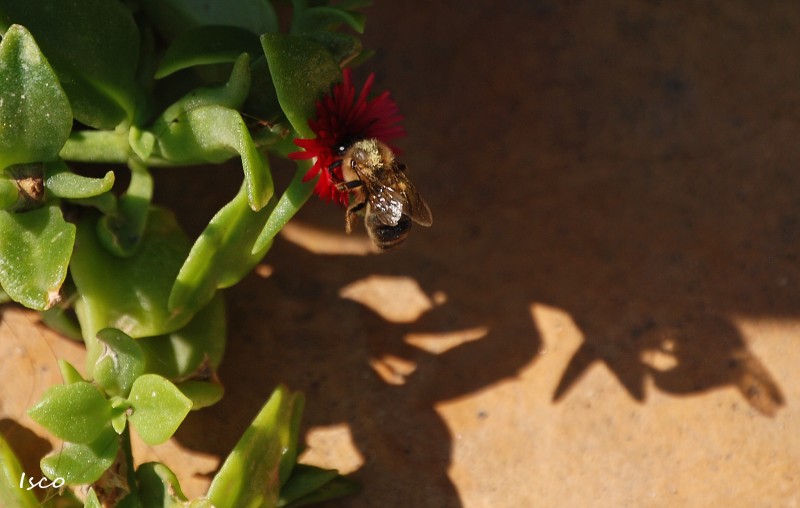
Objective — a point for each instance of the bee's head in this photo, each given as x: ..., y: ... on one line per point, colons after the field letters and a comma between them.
x: 370, y: 153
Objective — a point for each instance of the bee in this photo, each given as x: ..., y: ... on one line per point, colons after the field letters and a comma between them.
x: 381, y: 192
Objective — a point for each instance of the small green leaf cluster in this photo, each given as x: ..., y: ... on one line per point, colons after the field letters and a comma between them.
x: 261, y: 470
x: 136, y: 87
x: 91, y: 415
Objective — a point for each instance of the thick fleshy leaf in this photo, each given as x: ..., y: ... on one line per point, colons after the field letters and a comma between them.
x: 60, y: 319
x: 35, y: 116
x: 339, y: 486
x: 76, y: 412
x: 158, y: 408
x: 342, y: 47
x: 60, y: 181
x: 35, y: 249
x: 91, y: 500
x: 94, y: 146
x: 122, y: 230
x: 302, y: 71
x: 69, y: 373
x: 250, y: 476
x: 158, y: 486
x: 120, y: 407
x: 129, y: 294
x: 82, y: 463
x: 262, y: 102
x: 310, y: 485
x: 204, y: 127
x: 215, y: 134
x: 9, y: 192
x: 303, y: 481
x: 196, y: 347
x: 10, y: 473
x: 121, y: 361
x: 292, y: 199
x: 230, y: 94
x: 202, y: 393
x: 173, y: 17
x: 93, y: 45
x: 322, y: 17
x: 289, y: 435
x: 210, y: 44
x: 221, y: 256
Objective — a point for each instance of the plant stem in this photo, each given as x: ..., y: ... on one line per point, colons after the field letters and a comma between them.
x: 127, y: 453
x: 97, y: 146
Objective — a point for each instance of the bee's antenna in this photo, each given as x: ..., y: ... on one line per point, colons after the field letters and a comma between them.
x: 333, y: 166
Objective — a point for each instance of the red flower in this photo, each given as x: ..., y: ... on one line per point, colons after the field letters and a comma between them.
x: 341, y: 120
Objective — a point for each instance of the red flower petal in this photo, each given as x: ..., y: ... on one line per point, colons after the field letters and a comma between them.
x: 341, y: 119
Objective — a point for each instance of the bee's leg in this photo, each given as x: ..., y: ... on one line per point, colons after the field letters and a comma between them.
x: 348, y: 186
x: 332, y: 167
x: 352, y: 210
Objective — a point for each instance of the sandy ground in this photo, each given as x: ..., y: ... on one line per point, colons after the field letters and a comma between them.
x: 606, y: 311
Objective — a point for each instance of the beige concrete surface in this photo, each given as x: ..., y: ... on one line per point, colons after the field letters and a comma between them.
x: 606, y: 311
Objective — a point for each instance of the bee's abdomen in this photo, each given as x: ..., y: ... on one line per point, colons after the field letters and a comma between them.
x: 388, y: 237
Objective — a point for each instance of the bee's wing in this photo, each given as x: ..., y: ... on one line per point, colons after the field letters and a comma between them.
x: 394, y: 196
x: 417, y: 208
x: 387, y: 204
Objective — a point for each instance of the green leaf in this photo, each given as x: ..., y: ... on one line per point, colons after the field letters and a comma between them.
x: 61, y: 319
x: 119, y: 419
x: 289, y: 433
x: 197, y: 346
x: 304, y: 480
x: 121, y: 231
x: 129, y: 294
x: 91, y: 500
x: 158, y: 408
x: 202, y: 393
x: 204, y: 127
x: 210, y: 44
x: 214, y: 134
x: 342, y: 47
x: 11, y: 494
x: 69, y: 373
x: 250, y: 476
x: 262, y: 102
x: 120, y: 362
x: 93, y: 45
x: 172, y: 17
x: 9, y: 192
x: 310, y: 484
x: 158, y: 486
x: 289, y: 203
x: 336, y: 488
x: 97, y: 146
x: 309, y: 19
x: 35, y: 116
x: 77, y: 412
x: 221, y: 256
x: 302, y: 71
x: 230, y: 94
x: 60, y: 181
x: 120, y: 407
x: 35, y: 249
x: 82, y: 463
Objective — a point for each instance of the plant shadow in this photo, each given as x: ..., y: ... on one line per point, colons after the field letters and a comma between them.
x: 610, y: 168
